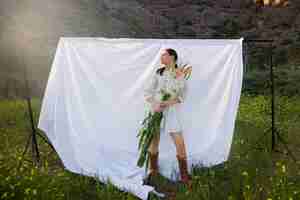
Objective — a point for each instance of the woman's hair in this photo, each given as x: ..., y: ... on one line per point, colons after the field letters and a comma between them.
x: 173, y: 53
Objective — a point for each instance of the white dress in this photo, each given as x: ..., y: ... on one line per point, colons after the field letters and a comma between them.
x: 171, y: 121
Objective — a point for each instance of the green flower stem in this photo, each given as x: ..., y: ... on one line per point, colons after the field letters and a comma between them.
x: 151, y: 126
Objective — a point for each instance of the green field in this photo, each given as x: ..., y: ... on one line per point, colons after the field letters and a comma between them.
x: 252, y: 171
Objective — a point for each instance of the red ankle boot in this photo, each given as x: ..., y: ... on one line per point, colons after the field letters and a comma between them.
x: 153, y: 164
x: 185, y: 177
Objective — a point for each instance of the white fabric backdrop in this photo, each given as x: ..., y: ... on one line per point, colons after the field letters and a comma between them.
x: 93, y: 105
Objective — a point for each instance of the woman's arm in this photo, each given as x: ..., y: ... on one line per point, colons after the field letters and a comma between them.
x: 171, y: 102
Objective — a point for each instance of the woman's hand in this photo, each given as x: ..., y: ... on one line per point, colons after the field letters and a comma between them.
x: 169, y: 102
x: 158, y: 107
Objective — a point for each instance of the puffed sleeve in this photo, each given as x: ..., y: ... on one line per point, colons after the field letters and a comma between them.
x: 182, y: 90
x: 149, y: 90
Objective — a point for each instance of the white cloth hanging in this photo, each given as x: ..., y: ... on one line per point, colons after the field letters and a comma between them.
x: 93, y: 105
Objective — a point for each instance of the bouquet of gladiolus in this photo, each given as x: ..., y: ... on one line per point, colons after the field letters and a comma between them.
x: 151, y: 124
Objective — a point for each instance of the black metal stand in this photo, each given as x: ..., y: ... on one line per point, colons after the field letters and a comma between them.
x: 32, y: 137
x: 275, y: 135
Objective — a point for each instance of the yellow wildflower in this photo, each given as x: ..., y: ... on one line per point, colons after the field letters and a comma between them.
x: 245, y: 173
x: 283, y: 168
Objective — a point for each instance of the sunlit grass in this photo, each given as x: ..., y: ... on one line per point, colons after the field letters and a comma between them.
x: 250, y: 173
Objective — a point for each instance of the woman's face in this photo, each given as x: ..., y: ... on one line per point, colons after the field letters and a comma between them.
x: 165, y: 58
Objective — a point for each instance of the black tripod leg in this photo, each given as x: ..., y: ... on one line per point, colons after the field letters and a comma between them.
x: 285, y: 145
x: 24, y: 152
x: 46, y: 140
x: 35, y: 151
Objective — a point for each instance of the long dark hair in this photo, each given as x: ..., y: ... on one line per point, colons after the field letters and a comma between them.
x: 171, y: 52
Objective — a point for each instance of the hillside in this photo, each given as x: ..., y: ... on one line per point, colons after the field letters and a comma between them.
x: 29, y: 30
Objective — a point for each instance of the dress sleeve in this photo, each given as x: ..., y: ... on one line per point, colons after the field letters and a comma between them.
x: 150, y: 89
x: 182, y: 90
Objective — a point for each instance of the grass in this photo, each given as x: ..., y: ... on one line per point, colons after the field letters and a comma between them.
x: 252, y: 171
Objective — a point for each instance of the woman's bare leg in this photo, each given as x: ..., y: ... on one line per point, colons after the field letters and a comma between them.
x: 153, y: 155
x: 179, y: 143
x: 153, y: 148
x: 182, y: 159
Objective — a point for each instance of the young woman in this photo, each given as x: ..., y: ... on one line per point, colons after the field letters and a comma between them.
x: 169, y: 78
